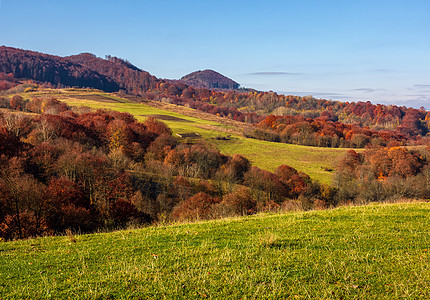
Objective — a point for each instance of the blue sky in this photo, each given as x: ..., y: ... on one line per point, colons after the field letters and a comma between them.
x: 344, y: 50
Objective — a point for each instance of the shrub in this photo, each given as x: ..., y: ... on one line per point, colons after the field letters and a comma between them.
x: 23, y: 225
x: 197, y: 207
x: 122, y: 212
x: 239, y: 202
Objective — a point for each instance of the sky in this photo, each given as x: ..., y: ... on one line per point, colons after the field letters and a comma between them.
x: 358, y: 50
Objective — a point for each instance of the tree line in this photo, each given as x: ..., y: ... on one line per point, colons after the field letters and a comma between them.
x: 384, y: 174
x: 321, y: 132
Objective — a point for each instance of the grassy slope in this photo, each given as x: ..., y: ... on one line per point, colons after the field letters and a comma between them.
x: 267, y: 155
x: 369, y: 252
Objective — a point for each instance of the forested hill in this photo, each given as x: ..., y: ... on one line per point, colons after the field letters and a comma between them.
x: 52, y: 69
x: 127, y: 76
x: 210, y: 79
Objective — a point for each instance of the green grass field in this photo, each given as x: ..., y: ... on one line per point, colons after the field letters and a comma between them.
x: 313, y: 161
x: 368, y: 252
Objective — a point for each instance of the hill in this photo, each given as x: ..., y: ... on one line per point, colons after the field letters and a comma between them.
x: 67, y: 167
x: 210, y: 79
x: 368, y: 252
x: 129, y: 78
x: 52, y: 69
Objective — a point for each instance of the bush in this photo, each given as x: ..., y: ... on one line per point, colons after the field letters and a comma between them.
x: 124, y: 212
x: 23, y: 225
x: 197, y: 207
x: 239, y: 202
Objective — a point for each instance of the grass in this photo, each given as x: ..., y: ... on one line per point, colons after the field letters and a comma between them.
x: 314, y: 161
x: 368, y: 252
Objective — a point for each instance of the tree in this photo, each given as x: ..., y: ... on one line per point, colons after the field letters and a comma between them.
x: 295, y: 183
x: 197, y: 207
x: 349, y: 162
x: 118, y: 136
x: 157, y: 127
x: 239, y: 202
x: 261, y: 180
x: 17, y: 102
x: 22, y: 196
x: 403, y: 163
x: 160, y: 147
x: 237, y: 166
x: 9, y: 144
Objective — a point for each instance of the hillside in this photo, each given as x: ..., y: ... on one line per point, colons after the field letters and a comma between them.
x: 317, y: 162
x: 210, y: 79
x: 368, y: 252
x: 52, y: 69
x: 129, y: 78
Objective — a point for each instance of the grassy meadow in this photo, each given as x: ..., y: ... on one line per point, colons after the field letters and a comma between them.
x: 314, y: 161
x: 368, y: 252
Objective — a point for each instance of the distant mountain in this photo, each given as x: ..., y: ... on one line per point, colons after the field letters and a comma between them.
x: 210, y: 79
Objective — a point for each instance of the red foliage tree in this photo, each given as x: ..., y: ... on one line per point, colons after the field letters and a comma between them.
x: 239, y: 202
x: 17, y: 102
x: 153, y: 125
x: 197, y: 207
x: 23, y: 225
x: 9, y: 143
x: 295, y: 183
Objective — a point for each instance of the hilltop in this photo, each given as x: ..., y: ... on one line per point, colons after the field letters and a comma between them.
x: 210, y: 79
